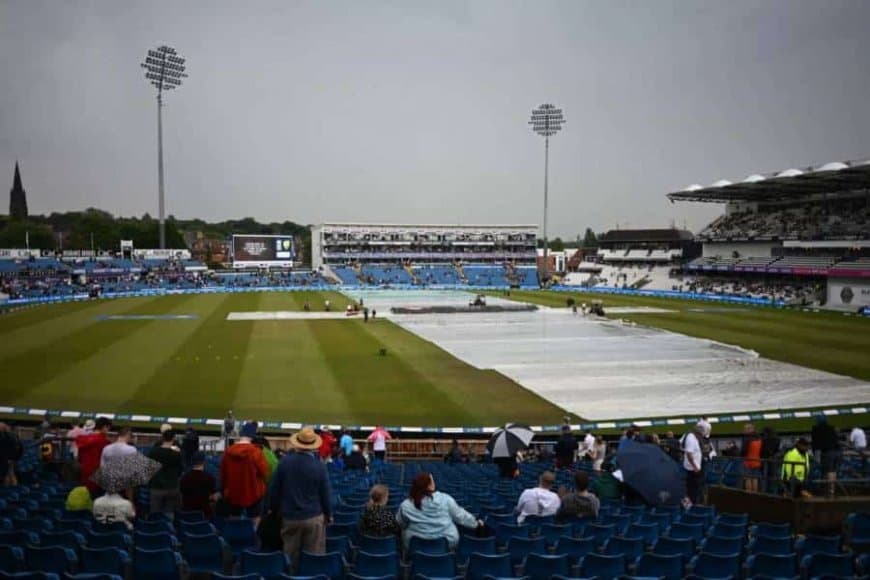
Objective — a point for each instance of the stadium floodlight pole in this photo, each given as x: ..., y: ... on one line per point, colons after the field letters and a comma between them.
x: 165, y: 70
x: 546, y: 121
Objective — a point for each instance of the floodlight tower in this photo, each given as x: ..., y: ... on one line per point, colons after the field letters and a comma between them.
x: 546, y: 121
x: 165, y: 70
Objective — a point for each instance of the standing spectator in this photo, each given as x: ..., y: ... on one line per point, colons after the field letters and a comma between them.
x: 600, y: 454
x: 540, y: 500
x: 189, y: 448
x: 454, y: 456
x: 269, y: 456
x: 301, y: 492
x: 671, y: 446
x: 43, y: 428
x: 508, y: 467
x: 345, y: 444
x: 72, y: 435
x: 356, y: 461
x: 858, y: 439
x: 430, y: 514
x: 377, y: 519
x: 826, y: 444
x: 10, y: 452
x: 693, y: 463
x: 111, y: 508
x: 378, y: 438
x: 751, y: 453
x: 327, y: 445
x: 228, y: 430
x: 770, y: 444
x: 629, y: 435
x: 566, y: 448
x: 796, y: 467
x: 164, y: 485
x: 581, y: 503
x: 243, y: 475
x: 706, y: 428
x: 120, y: 447
x: 198, y: 488
x: 91, y: 451
x: 587, y: 448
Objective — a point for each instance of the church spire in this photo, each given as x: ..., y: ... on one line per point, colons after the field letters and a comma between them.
x: 17, y: 198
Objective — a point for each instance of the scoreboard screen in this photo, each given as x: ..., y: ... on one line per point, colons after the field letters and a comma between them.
x: 263, y: 249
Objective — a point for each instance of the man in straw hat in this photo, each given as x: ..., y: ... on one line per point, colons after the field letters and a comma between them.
x: 301, y: 493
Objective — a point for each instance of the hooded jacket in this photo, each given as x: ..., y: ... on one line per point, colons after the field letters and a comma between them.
x: 243, y: 474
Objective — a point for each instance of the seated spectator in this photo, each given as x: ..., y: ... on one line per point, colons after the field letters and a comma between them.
x: 538, y: 501
x: 430, y: 514
x: 356, y: 460
x: 111, y: 508
x: 198, y: 487
x: 79, y: 499
x: 580, y: 503
x: 378, y: 519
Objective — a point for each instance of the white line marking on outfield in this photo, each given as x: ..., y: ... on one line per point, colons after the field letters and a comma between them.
x: 290, y: 315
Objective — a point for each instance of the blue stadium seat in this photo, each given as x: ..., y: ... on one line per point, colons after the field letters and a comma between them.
x: 621, y: 522
x: 376, y: 565
x: 11, y: 558
x: 18, y: 538
x: 156, y: 527
x: 104, y: 560
x: 858, y: 530
x: 575, y: 548
x: 715, y: 565
x: 708, y: 511
x: 66, y: 539
x: 469, y: 545
x: 822, y: 564
x: 631, y: 548
x: 251, y: 576
x: 82, y: 527
x: 776, y: 566
x: 768, y: 545
x: 112, y: 527
x: 733, y: 519
x: 693, y: 531
x: 812, y: 544
x: 482, y: 565
x: 85, y: 515
x: 198, y: 528
x: 155, y: 541
x: 721, y: 546
x: 55, y: 559
x: 726, y: 530
x: 239, y: 534
x: 427, y: 545
x: 544, y: 567
x: 505, y: 532
x: 663, y: 521
x: 432, y: 565
x: 669, y: 567
x: 28, y: 576
x: 204, y: 553
x: 37, y: 525
x: 340, y: 544
x: 602, y: 566
x: 535, y: 522
x: 267, y: 564
x: 771, y: 530
x: 552, y: 532
x: 330, y: 564
x: 96, y: 576
x: 519, y: 548
x: 190, y: 516
x: 118, y: 540
x: 649, y: 533
x: 377, y: 545
x: 601, y: 532
x: 688, y: 518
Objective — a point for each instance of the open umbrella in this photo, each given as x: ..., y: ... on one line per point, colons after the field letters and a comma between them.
x: 126, y: 471
x: 507, y: 440
x: 651, y: 473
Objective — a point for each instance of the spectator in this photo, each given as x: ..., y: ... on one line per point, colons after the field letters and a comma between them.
x: 706, y: 428
x: 268, y: 455
x: 345, y: 444
x: 43, y: 428
x: 198, y: 488
x: 79, y: 499
x: 327, y: 445
x: 72, y: 435
x: 120, y: 447
x: 454, y: 456
x: 629, y: 435
x: 587, y: 448
x: 301, y: 493
x: 770, y: 444
x: 228, y: 429
x: 378, y: 438
x: 600, y: 454
x: 751, y: 453
x: 566, y: 448
x: 356, y: 461
x: 693, y: 463
x: 430, y: 514
x: 825, y: 443
x: 606, y: 487
x: 671, y: 446
x: 111, y: 508
x: 796, y: 467
x: 377, y: 519
x: 91, y: 451
x: 538, y: 501
x: 10, y: 452
x: 244, y: 472
x: 165, y: 498
x: 163, y: 429
x: 858, y: 439
x: 189, y: 447
x: 580, y: 503
x: 508, y: 467
x: 731, y: 450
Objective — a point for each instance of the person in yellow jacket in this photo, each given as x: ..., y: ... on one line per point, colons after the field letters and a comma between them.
x: 796, y: 467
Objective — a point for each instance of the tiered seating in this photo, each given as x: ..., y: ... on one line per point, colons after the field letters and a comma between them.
x: 821, y: 262
x: 478, y: 275
x: 389, y: 274
x: 346, y: 275
x: 435, y: 274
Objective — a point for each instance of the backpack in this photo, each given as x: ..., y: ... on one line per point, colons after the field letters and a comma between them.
x: 703, y: 442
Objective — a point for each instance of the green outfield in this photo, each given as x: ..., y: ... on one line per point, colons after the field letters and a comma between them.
x: 77, y: 357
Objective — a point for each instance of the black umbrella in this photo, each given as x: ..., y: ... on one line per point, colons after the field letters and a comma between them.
x: 125, y: 471
x: 507, y: 440
x: 651, y: 473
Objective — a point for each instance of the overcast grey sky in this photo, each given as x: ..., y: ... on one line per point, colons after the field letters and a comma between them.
x: 414, y: 112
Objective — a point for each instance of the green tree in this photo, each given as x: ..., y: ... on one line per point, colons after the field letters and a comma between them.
x: 557, y: 245
x: 590, y: 240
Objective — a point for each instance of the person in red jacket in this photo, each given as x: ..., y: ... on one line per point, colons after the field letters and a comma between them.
x: 327, y: 443
x: 90, y: 450
x: 244, y: 472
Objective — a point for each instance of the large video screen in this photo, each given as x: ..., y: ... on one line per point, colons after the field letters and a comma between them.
x: 263, y: 248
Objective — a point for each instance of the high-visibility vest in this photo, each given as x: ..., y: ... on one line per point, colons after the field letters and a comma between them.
x: 795, y: 465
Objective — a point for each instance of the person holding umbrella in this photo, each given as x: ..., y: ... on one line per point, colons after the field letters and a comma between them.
x: 505, y: 444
